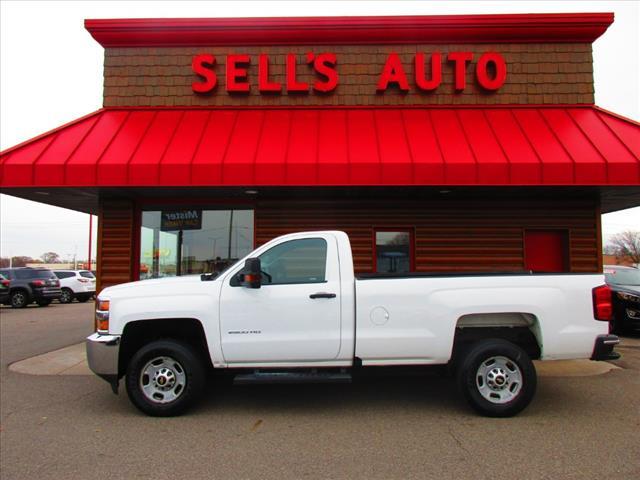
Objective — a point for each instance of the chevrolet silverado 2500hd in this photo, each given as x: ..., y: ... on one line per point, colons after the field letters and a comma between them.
x: 294, y: 310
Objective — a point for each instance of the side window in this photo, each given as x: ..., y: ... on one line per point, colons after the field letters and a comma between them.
x: 62, y: 275
x: 296, y: 261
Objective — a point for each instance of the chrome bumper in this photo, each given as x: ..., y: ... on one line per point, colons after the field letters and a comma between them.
x: 102, y: 356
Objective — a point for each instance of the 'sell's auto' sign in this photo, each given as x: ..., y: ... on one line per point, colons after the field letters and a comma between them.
x: 172, y: 220
x: 490, y: 72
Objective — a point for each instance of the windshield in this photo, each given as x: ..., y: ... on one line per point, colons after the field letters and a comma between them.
x: 623, y: 277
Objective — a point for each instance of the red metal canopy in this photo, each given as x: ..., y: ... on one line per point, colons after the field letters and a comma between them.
x: 578, y: 145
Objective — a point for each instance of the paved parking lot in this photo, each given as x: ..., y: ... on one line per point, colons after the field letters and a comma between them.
x: 72, y: 426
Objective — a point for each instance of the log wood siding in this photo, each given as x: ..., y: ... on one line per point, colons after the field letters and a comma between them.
x: 116, y: 236
x: 538, y: 73
x: 461, y: 236
x: 464, y: 236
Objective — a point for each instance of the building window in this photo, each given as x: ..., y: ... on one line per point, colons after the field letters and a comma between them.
x: 546, y: 250
x: 394, y: 251
x: 185, y: 241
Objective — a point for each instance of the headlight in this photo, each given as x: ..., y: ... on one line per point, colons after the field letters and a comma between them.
x: 628, y: 297
x: 102, y: 316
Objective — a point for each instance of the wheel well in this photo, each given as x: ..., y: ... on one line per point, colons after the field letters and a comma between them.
x: 21, y: 289
x: 139, y: 333
x: 521, y: 329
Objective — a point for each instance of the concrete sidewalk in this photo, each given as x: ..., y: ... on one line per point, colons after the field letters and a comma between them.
x: 72, y: 360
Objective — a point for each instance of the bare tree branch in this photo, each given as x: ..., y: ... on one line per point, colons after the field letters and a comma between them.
x: 627, y: 244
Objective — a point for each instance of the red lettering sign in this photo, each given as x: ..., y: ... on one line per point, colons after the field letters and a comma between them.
x: 202, y: 66
x: 292, y: 84
x: 482, y: 73
x: 436, y: 72
x: 393, y: 72
x: 460, y: 60
x: 325, y: 65
x: 264, y: 85
x: 490, y: 72
x: 237, y: 73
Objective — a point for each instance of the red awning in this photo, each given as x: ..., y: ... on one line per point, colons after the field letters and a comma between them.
x: 489, y: 146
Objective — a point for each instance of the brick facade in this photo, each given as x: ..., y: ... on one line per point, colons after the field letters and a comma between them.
x: 556, y: 73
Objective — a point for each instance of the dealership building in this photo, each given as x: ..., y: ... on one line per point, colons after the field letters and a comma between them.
x: 438, y: 143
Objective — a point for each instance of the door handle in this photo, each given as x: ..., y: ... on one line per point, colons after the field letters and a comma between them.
x: 322, y: 295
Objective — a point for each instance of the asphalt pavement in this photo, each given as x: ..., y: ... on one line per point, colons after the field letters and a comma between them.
x: 73, y: 427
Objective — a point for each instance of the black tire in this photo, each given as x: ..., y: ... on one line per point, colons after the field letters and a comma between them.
x: 504, y: 385
x: 43, y: 303
x: 184, y: 364
x: 19, y: 299
x: 67, y: 296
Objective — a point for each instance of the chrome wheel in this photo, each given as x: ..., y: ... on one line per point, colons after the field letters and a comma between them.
x: 19, y: 299
x: 163, y: 380
x: 499, y: 379
x: 66, y: 296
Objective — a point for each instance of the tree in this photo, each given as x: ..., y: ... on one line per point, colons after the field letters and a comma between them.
x: 20, y: 261
x: 627, y: 244
x: 50, y: 257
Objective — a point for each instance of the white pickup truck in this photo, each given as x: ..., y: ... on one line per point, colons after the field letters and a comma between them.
x: 293, y: 310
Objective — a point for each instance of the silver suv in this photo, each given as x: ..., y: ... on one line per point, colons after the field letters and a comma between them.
x: 78, y: 284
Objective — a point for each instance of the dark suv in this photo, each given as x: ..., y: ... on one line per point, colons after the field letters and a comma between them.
x: 625, y: 284
x: 30, y: 285
x: 4, y: 289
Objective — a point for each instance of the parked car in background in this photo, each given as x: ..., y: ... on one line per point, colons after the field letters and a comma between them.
x: 4, y: 289
x: 78, y: 284
x: 30, y: 285
x: 625, y: 284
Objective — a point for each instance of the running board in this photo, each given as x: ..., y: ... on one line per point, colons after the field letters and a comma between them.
x: 291, y: 377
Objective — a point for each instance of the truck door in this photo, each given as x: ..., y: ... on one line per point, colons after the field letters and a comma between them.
x: 295, y: 315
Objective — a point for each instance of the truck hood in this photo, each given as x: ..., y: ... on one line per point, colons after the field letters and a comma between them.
x: 168, y: 284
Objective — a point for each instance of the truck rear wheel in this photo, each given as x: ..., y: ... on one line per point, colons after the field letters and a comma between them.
x: 164, y: 378
x: 497, y: 378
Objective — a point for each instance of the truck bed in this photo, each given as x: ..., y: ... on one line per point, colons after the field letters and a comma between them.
x: 412, y: 318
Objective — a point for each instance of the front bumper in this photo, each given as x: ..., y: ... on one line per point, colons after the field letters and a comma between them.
x: 603, y: 348
x: 102, y: 356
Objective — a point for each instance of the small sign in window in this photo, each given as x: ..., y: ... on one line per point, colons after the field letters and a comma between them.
x: 187, y: 219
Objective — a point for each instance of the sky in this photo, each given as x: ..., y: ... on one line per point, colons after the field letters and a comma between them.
x: 51, y: 73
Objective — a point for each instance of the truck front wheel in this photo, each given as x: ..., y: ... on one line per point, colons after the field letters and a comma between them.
x: 497, y: 378
x: 164, y: 378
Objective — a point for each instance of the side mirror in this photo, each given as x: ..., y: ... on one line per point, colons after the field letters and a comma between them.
x: 250, y: 274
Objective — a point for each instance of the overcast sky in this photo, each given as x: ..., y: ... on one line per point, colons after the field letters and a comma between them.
x: 51, y: 73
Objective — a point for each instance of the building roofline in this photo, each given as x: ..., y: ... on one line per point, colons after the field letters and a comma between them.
x: 499, y: 28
